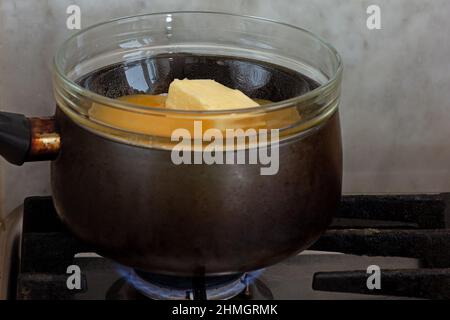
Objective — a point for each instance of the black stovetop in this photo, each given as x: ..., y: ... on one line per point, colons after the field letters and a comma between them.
x: 408, y: 237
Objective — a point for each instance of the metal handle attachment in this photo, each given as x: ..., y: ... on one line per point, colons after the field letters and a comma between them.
x: 25, y: 139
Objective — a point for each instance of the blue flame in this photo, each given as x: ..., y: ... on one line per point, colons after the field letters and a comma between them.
x: 148, y: 289
x: 157, y: 292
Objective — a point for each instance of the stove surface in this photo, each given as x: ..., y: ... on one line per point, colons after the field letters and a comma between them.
x: 290, y: 279
x: 37, y: 251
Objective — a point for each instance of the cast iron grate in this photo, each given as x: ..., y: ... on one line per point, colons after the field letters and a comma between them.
x: 414, y: 226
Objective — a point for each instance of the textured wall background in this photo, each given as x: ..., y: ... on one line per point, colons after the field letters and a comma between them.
x: 395, y: 105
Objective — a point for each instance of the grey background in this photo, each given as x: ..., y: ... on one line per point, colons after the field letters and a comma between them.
x: 395, y: 103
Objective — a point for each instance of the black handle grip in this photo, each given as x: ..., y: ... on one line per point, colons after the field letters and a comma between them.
x: 15, y: 137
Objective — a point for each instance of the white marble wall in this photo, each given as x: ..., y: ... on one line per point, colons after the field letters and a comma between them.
x: 396, y: 97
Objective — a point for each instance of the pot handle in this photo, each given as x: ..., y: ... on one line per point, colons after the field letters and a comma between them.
x: 25, y: 139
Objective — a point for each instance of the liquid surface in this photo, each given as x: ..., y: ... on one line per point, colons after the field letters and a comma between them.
x: 158, y: 101
x: 146, y: 100
x: 153, y: 124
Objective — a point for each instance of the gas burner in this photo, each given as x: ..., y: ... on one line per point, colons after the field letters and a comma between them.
x: 135, y: 285
x: 164, y: 287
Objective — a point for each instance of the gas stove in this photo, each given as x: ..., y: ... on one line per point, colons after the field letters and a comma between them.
x: 406, y: 236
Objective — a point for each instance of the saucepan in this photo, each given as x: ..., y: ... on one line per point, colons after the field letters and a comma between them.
x: 115, y: 183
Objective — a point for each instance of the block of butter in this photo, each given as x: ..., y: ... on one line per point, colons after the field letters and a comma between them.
x: 205, y: 94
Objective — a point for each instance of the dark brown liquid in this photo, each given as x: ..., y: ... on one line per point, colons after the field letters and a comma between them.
x: 258, y: 80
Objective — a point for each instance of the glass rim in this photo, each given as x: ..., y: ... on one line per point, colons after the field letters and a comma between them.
x: 274, y: 106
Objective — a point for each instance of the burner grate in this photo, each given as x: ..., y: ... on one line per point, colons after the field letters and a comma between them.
x: 47, y: 249
x: 364, y: 226
x: 414, y: 226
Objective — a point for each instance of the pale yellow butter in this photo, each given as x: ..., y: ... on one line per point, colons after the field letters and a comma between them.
x: 205, y: 95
